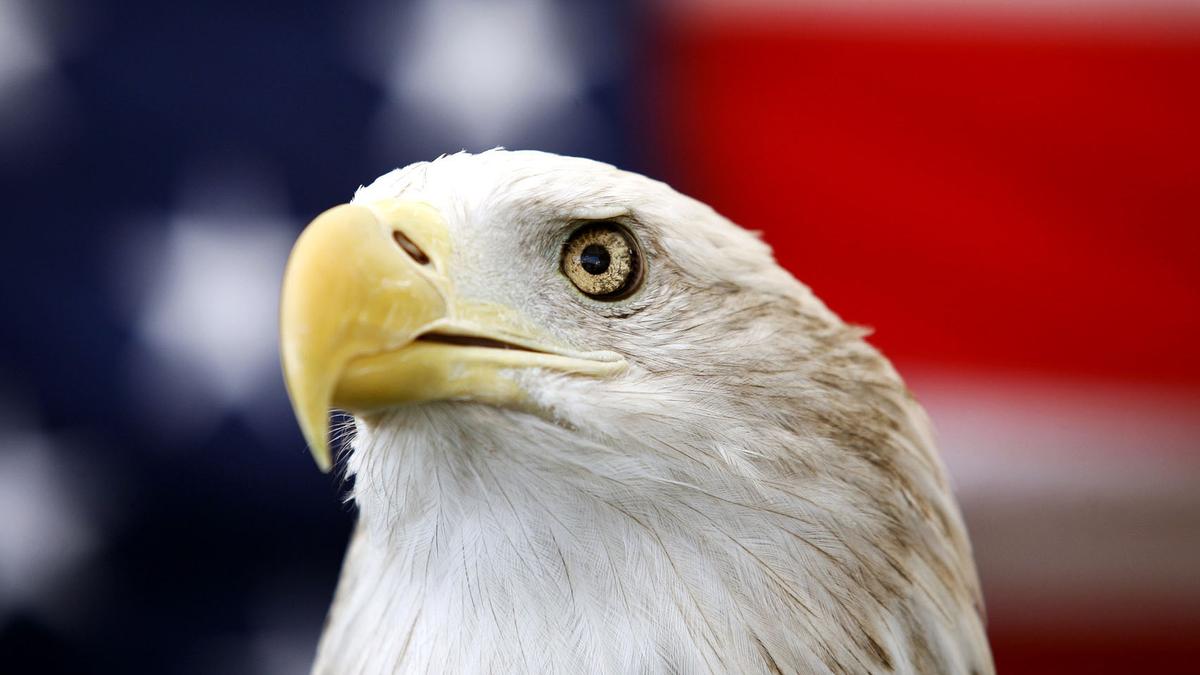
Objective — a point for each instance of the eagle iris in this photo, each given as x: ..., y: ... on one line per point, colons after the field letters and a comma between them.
x: 602, y: 260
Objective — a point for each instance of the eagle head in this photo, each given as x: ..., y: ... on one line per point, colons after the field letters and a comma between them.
x: 597, y: 428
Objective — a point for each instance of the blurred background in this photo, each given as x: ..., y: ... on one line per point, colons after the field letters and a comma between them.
x: 1007, y: 192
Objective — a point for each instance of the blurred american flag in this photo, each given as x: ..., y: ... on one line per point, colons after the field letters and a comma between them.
x: 1007, y: 192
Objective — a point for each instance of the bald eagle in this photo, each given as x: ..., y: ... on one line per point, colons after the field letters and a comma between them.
x: 598, y: 429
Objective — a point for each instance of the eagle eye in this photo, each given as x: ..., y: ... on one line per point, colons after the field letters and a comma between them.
x: 603, y: 261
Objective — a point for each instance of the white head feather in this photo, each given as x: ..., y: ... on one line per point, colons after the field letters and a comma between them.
x: 757, y: 493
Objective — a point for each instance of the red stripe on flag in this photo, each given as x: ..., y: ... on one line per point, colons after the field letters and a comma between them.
x: 1004, y: 200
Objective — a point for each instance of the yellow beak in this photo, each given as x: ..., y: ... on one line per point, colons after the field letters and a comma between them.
x: 369, y: 320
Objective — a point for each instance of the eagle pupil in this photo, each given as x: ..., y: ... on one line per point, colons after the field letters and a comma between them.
x: 594, y: 259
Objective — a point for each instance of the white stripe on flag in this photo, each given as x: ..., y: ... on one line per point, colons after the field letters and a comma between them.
x: 1080, y: 497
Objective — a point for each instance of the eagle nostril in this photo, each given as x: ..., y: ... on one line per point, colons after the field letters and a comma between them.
x: 410, y: 247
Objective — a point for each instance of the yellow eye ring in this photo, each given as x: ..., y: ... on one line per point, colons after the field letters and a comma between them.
x: 603, y: 261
